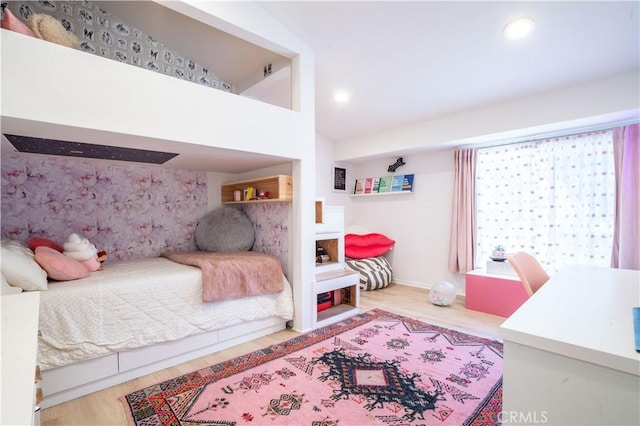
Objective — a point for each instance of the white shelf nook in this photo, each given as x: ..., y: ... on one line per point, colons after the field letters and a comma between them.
x: 332, y: 276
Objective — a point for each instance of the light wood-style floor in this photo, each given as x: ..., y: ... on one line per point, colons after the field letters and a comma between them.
x: 104, y: 407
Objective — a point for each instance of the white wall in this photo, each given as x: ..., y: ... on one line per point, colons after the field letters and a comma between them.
x: 419, y: 221
x: 324, y: 163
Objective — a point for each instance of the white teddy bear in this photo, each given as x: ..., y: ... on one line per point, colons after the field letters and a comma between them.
x: 83, y: 251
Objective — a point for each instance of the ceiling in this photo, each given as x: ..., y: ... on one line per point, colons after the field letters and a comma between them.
x: 405, y: 62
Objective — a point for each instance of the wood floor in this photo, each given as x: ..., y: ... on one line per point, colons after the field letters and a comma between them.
x: 104, y: 407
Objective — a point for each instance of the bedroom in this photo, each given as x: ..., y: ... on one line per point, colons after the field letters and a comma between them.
x: 304, y: 167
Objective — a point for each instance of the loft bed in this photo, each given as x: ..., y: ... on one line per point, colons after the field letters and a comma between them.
x: 69, y: 95
x: 139, y: 316
x: 210, y: 130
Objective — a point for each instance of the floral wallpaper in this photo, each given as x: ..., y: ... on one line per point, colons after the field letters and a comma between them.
x: 128, y: 211
x: 271, y: 223
x: 103, y: 34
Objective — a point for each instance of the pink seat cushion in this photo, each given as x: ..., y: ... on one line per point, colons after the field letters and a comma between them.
x: 11, y: 22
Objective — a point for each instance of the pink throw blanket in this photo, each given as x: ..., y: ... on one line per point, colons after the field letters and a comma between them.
x: 233, y: 275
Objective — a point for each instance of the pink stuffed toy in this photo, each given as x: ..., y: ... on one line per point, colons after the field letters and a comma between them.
x: 83, y: 251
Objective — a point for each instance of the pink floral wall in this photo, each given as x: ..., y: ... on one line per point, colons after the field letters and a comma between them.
x: 271, y: 223
x: 130, y: 211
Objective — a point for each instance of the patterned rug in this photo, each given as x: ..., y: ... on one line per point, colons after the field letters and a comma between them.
x: 376, y: 368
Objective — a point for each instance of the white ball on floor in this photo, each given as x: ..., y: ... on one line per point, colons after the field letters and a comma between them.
x: 442, y: 293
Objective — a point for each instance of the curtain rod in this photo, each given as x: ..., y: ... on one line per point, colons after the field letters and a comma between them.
x: 553, y: 134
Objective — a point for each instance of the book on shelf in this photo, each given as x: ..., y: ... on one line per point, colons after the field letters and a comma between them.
x: 407, y: 183
x: 375, y: 185
x: 325, y: 297
x: 368, y: 182
x: 396, y: 183
x: 359, y: 188
x: 337, y: 297
x: 384, y: 184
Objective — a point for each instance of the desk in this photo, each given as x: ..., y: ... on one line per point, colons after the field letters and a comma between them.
x: 569, y: 354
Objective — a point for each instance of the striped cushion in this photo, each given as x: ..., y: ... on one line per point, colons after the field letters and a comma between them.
x: 375, y: 272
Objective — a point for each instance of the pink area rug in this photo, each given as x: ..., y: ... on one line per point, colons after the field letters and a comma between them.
x: 376, y: 368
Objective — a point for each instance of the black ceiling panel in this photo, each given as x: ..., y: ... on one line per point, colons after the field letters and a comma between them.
x: 86, y: 150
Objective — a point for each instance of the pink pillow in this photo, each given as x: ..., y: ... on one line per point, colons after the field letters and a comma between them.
x: 367, y: 245
x: 35, y: 242
x: 58, y: 266
x: 12, y: 23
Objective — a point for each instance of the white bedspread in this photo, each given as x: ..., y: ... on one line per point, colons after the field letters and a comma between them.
x: 137, y: 303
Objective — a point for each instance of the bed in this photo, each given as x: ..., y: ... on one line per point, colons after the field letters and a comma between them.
x: 139, y: 316
x: 150, y: 120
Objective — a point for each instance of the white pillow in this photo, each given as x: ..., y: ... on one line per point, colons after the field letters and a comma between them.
x: 20, y: 268
x: 7, y: 289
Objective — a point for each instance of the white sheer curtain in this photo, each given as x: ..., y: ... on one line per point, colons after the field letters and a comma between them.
x: 553, y: 198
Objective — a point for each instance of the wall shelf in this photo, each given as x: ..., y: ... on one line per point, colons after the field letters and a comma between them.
x: 383, y: 185
x: 375, y: 194
x: 280, y: 188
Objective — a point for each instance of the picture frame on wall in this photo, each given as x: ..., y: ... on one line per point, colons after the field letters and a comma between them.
x: 339, y: 178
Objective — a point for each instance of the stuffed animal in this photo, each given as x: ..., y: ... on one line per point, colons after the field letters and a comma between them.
x: 80, y: 249
x: 50, y: 29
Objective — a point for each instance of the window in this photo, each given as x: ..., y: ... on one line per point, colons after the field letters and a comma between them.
x: 554, y: 198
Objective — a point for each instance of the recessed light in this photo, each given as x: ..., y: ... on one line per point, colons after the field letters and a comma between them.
x: 341, y: 96
x: 518, y: 28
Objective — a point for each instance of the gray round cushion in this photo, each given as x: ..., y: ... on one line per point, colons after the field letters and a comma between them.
x: 225, y: 229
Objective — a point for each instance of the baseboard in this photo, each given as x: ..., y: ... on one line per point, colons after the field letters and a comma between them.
x: 268, y: 326
x: 425, y: 286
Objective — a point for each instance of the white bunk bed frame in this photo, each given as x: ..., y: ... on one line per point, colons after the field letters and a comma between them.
x: 33, y: 108
x: 72, y: 381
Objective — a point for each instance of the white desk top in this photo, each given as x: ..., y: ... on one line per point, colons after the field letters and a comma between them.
x: 583, y: 313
